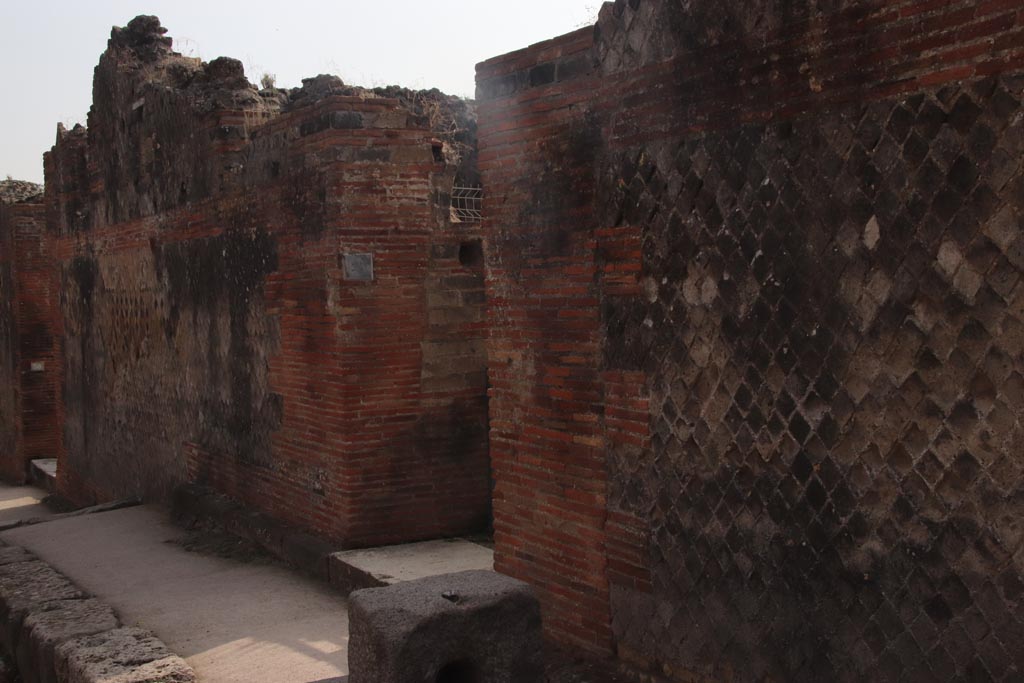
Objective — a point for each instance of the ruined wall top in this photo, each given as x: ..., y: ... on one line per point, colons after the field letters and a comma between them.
x: 165, y: 130
x: 144, y: 35
x: 17, y: 191
x: 139, y: 58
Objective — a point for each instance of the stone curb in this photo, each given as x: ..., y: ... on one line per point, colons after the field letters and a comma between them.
x: 192, y: 503
x: 57, y: 633
x: 103, y: 507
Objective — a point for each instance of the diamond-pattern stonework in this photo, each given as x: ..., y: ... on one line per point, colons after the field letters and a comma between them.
x: 632, y: 33
x: 832, y: 331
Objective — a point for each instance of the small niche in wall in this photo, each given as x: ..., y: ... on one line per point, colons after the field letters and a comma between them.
x: 139, y: 109
x: 357, y: 267
x: 471, y: 254
x: 462, y: 671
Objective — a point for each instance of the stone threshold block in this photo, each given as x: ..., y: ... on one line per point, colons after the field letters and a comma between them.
x: 466, y: 627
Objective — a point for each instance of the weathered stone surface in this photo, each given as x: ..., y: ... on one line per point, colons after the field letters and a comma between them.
x: 14, y: 191
x: 12, y: 554
x: 58, y: 633
x: 832, y: 455
x: 26, y: 587
x: 124, y: 655
x: 52, y: 624
x: 25, y: 584
x: 474, y: 626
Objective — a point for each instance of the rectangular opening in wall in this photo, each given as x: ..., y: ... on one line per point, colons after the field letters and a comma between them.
x: 467, y: 204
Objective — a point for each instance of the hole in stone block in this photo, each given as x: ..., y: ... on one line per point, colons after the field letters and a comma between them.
x: 461, y: 671
x: 471, y: 254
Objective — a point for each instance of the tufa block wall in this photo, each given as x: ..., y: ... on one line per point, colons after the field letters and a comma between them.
x: 262, y: 292
x: 756, y: 352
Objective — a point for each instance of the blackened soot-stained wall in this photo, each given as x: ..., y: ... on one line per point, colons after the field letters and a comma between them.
x: 262, y: 292
x: 757, y: 349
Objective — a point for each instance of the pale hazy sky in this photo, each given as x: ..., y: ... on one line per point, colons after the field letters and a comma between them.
x: 48, y: 49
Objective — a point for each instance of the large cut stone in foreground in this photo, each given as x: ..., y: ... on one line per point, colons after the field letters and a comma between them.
x: 472, y: 627
x: 14, y: 554
x: 124, y: 655
x: 25, y: 587
x: 53, y: 624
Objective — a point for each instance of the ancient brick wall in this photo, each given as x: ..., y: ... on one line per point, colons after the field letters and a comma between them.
x: 756, y: 336
x: 38, y: 335
x: 28, y: 344
x: 547, y: 451
x: 10, y: 413
x: 262, y: 293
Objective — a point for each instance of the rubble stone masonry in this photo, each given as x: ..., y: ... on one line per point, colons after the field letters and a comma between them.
x: 757, y: 336
x: 261, y: 291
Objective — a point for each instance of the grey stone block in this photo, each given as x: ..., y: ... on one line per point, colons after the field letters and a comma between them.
x: 52, y: 624
x: 24, y: 588
x: 13, y: 553
x: 124, y: 655
x: 475, y: 626
x: 347, y: 578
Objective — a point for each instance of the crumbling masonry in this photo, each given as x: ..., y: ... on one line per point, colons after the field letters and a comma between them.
x: 262, y: 292
x: 754, y: 334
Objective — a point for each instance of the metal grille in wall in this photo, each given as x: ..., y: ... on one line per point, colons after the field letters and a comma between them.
x: 467, y: 204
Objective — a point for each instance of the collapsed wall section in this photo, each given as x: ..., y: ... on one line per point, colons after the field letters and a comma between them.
x: 262, y: 293
x: 756, y: 411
